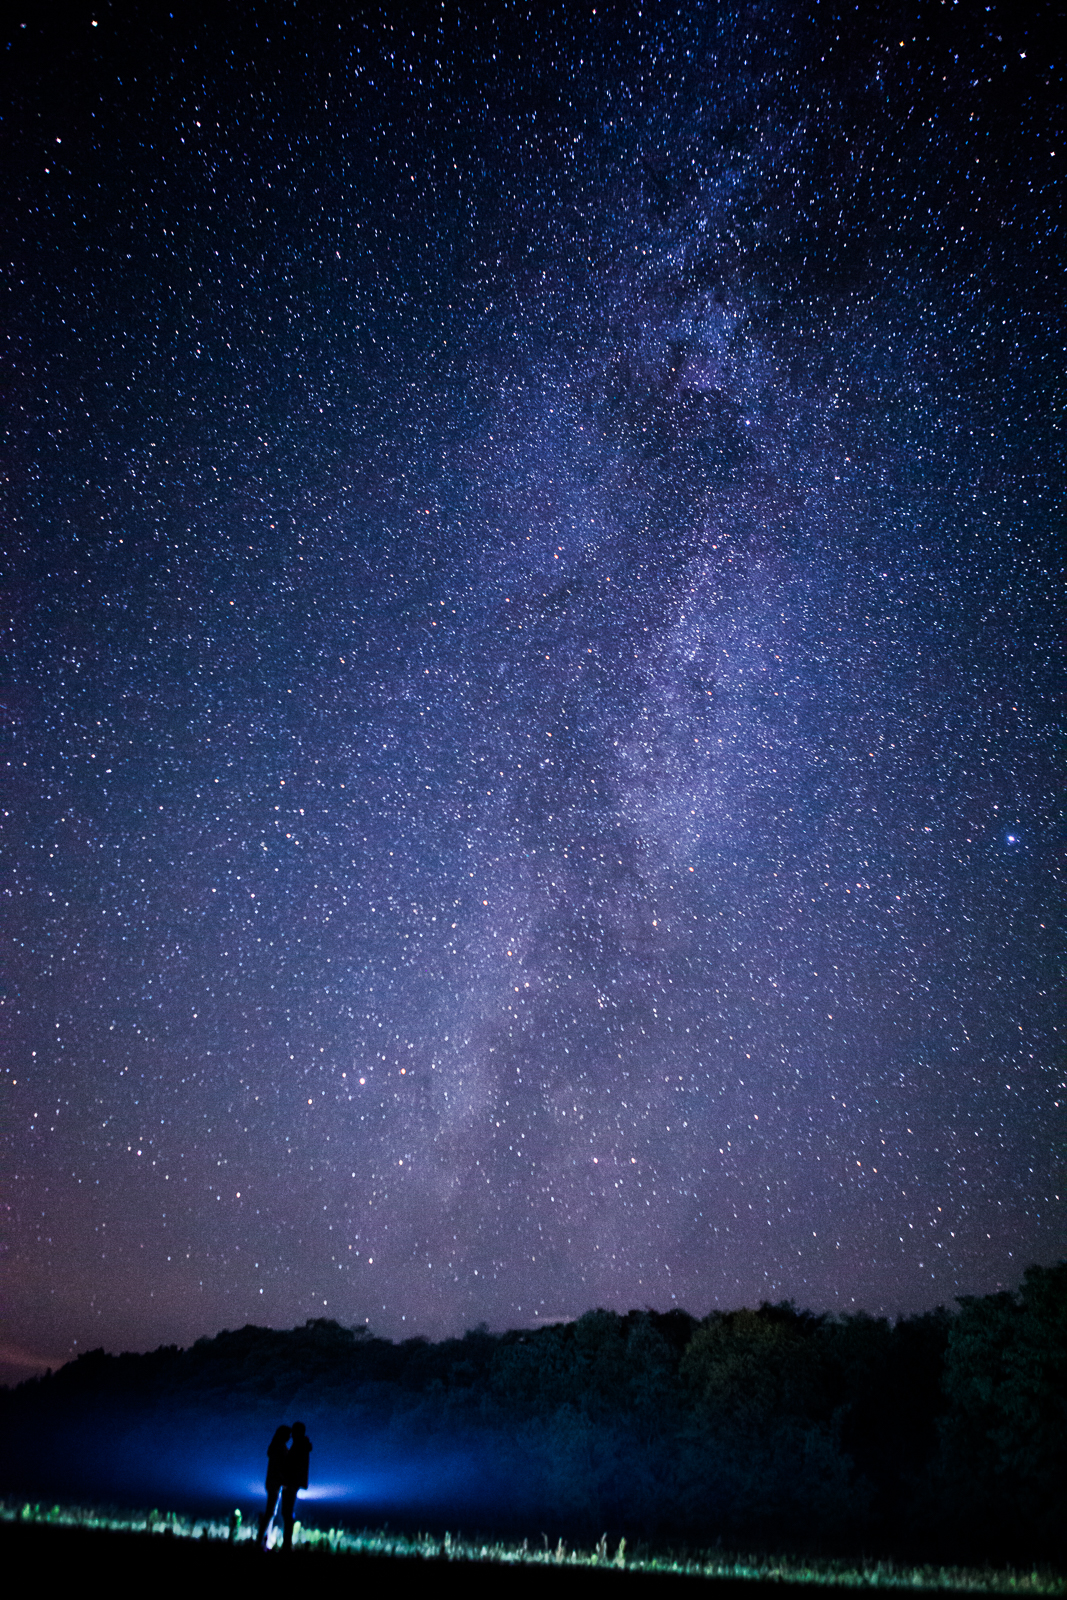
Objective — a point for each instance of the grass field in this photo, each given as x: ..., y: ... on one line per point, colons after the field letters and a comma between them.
x: 154, y: 1546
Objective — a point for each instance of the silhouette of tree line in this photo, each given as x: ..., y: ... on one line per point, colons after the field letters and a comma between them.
x: 942, y: 1434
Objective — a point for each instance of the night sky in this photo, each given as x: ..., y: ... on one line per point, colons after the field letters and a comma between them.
x: 532, y: 591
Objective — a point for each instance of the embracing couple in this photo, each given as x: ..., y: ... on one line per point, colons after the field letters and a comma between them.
x: 287, y: 1474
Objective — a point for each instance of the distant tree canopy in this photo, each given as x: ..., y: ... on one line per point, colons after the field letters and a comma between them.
x: 1005, y: 1435
x: 943, y: 1433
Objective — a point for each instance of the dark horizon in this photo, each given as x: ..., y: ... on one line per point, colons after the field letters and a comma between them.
x: 12, y: 1373
x: 531, y: 674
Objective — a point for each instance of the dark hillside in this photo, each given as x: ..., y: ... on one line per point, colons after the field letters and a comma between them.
x: 941, y: 1434
x: 67, y: 1555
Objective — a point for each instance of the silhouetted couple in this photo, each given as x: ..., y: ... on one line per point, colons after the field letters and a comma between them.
x: 287, y: 1474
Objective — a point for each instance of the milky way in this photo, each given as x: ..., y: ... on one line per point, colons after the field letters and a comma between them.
x: 529, y: 767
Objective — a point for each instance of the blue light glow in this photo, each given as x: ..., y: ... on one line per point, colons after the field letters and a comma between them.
x: 207, y: 1463
x: 342, y: 1484
x: 331, y: 1493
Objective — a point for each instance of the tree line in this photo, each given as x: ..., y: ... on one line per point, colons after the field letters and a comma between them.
x: 941, y: 1435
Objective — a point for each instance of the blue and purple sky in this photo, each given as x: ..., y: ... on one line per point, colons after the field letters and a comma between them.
x: 529, y: 776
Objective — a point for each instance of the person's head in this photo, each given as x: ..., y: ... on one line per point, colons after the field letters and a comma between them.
x: 298, y: 1430
x: 281, y: 1436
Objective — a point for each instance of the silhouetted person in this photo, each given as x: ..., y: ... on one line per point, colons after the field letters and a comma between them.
x: 277, y: 1469
x: 296, y: 1478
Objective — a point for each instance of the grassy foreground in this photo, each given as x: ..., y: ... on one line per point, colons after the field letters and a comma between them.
x: 147, y: 1538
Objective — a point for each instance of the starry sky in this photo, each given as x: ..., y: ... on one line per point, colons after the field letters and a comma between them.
x: 529, y: 660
